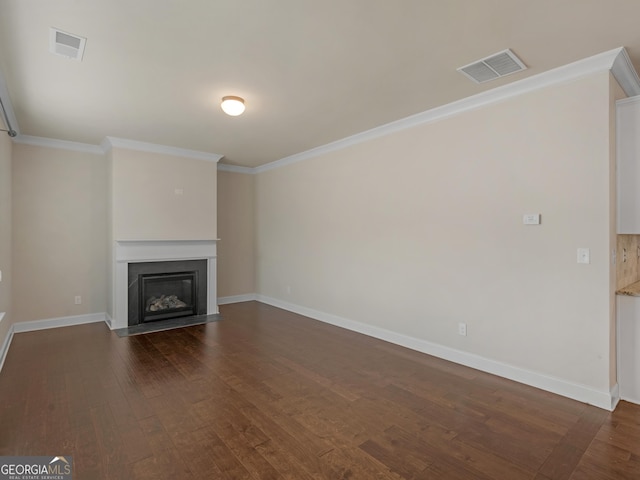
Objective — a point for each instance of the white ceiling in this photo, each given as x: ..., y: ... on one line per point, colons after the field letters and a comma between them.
x: 311, y: 71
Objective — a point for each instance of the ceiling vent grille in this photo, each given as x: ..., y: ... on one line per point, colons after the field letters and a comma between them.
x: 492, y: 67
x: 66, y: 44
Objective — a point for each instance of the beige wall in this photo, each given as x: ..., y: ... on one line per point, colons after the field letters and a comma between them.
x: 66, y: 205
x: 421, y: 229
x: 5, y: 234
x: 59, y: 232
x: 236, y: 263
x: 144, y: 202
x: 412, y: 232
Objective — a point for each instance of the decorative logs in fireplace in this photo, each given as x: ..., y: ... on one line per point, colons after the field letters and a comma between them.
x: 167, y: 289
x: 165, y: 302
x: 167, y: 295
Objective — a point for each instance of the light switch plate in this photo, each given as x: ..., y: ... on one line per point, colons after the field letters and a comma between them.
x: 531, y: 219
x: 584, y: 255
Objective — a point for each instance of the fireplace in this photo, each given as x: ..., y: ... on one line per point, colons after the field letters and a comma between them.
x: 128, y: 253
x: 166, y: 289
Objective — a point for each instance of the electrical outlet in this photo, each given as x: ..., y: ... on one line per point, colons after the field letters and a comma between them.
x: 78, y: 300
x: 462, y: 329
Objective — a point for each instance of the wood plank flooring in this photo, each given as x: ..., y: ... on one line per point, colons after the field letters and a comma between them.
x: 267, y: 394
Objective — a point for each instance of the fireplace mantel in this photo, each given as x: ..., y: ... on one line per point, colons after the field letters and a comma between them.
x: 132, y: 251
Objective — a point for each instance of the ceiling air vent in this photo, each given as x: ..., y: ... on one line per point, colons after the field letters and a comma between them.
x: 66, y: 44
x: 495, y: 66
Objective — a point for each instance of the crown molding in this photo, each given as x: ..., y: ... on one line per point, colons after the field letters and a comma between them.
x: 224, y: 167
x: 61, y: 144
x: 628, y: 101
x: 114, y: 142
x: 624, y: 73
x: 617, y: 61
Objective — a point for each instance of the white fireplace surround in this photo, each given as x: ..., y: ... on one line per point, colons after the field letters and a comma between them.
x: 133, y: 251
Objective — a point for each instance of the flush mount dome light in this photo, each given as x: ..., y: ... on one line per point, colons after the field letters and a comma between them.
x: 233, y: 106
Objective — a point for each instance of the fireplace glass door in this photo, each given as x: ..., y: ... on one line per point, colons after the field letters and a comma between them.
x: 167, y: 295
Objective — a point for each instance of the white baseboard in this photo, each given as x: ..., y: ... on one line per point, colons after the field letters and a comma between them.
x: 5, y: 346
x: 582, y: 393
x: 47, y: 323
x: 615, y: 396
x: 33, y: 325
x: 603, y: 399
x: 248, y: 297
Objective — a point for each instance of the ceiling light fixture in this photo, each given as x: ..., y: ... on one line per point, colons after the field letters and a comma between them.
x: 233, y: 106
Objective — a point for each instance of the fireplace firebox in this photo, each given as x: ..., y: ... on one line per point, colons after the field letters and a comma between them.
x: 166, y: 289
x: 167, y: 295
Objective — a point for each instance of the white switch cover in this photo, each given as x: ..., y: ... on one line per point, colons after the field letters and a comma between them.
x: 584, y: 255
x: 531, y: 219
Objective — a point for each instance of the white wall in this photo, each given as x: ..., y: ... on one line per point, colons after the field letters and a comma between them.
x: 421, y: 229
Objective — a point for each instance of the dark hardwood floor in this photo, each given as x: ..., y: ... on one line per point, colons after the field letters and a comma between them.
x: 267, y: 394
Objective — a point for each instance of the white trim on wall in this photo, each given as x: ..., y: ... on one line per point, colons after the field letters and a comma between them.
x: 624, y: 73
x: 583, y: 393
x: 47, y: 323
x: 5, y: 347
x: 615, y: 396
x: 247, y: 297
x: 617, y: 61
x: 224, y: 167
x: 59, y: 144
x: 114, y: 142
